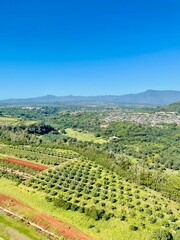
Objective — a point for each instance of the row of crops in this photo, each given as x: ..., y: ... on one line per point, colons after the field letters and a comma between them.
x: 15, y: 172
x: 16, y: 168
x: 86, y: 187
x: 41, y: 155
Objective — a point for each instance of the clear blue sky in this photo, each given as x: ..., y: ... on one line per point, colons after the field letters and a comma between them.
x: 88, y: 47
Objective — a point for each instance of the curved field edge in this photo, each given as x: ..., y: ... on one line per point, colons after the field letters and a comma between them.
x: 101, y: 229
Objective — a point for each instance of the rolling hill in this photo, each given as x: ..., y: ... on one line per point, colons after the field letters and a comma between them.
x: 149, y: 97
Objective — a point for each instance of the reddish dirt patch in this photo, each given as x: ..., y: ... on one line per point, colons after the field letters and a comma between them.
x: 47, y: 222
x: 25, y: 163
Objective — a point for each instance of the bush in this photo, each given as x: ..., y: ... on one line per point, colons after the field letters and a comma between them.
x: 94, y: 213
x: 132, y: 214
x: 74, y: 207
x: 81, y: 209
x: 176, y: 227
x: 152, y: 220
x: 160, y: 215
x: 166, y: 224
x: 48, y: 199
x: 162, y: 234
x: 130, y: 206
x: 143, y: 225
x: 149, y: 212
x: 173, y: 218
x: 133, y: 228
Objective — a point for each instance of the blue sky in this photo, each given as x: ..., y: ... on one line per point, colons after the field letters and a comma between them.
x: 88, y: 47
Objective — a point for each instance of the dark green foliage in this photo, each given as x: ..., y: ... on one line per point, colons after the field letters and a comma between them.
x: 162, y: 234
x: 152, y: 220
x: 94, y: 213
x: 133, y: 228
x: 165, y: 224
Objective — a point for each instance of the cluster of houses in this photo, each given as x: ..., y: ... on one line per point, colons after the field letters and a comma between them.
x: 150, y: 118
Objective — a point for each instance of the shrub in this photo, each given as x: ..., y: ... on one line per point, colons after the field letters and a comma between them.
x: 157, y: 208
x: 173, y: 218
x: 133, y: 228
x: 162, y: 234
x: 122, y: 217
x: 152, y: 220
x: 175, y: 227
x: 96, y: 201
x: 78, y: 194
x: 132, y: 214
x: 165, y: 224
x: 74, y: 207
x: 143, y: 225
x: 141, y: 209
x: 81, y: 209
x: 130, y: 206
x: 169, y: 212
x: 94, y: 213
x: 48, y: 199
x: 137, y: 196
x: 96, y: 194
x: 160, y: 215
x: 149, y: 212
x: 113, y: 207
x: 107, y: 216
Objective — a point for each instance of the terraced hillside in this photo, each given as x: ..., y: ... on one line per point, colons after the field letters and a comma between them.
x: 86, y: 187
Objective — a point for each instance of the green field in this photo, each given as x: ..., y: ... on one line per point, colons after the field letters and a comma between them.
x: 8, y: 120
x: 81, y: 136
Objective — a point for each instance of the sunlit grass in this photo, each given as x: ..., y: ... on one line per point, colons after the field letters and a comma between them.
x: 81, y: 136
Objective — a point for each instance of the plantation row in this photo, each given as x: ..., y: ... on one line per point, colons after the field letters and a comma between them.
x: 12, y: 176
x: 34, y: 156
x: 86, y: 187
x: 49, y: 151
x: 16, y: 167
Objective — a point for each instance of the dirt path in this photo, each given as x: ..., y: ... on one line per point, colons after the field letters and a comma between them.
x: 46, y: 222
x: 25, y: 163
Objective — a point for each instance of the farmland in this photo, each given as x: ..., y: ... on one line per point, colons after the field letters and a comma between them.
x: 101, y: 180
x: 81, y: 136
x: 87, y: 188
x: 37, y: 154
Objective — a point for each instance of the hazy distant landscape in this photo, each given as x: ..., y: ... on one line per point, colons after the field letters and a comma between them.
x: 150, y: 97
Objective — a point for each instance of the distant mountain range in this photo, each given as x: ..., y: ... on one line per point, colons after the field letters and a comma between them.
x: 149, y: 97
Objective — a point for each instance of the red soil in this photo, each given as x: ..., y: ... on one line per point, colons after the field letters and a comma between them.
x: 25, y: 163
x: 47, y: 222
